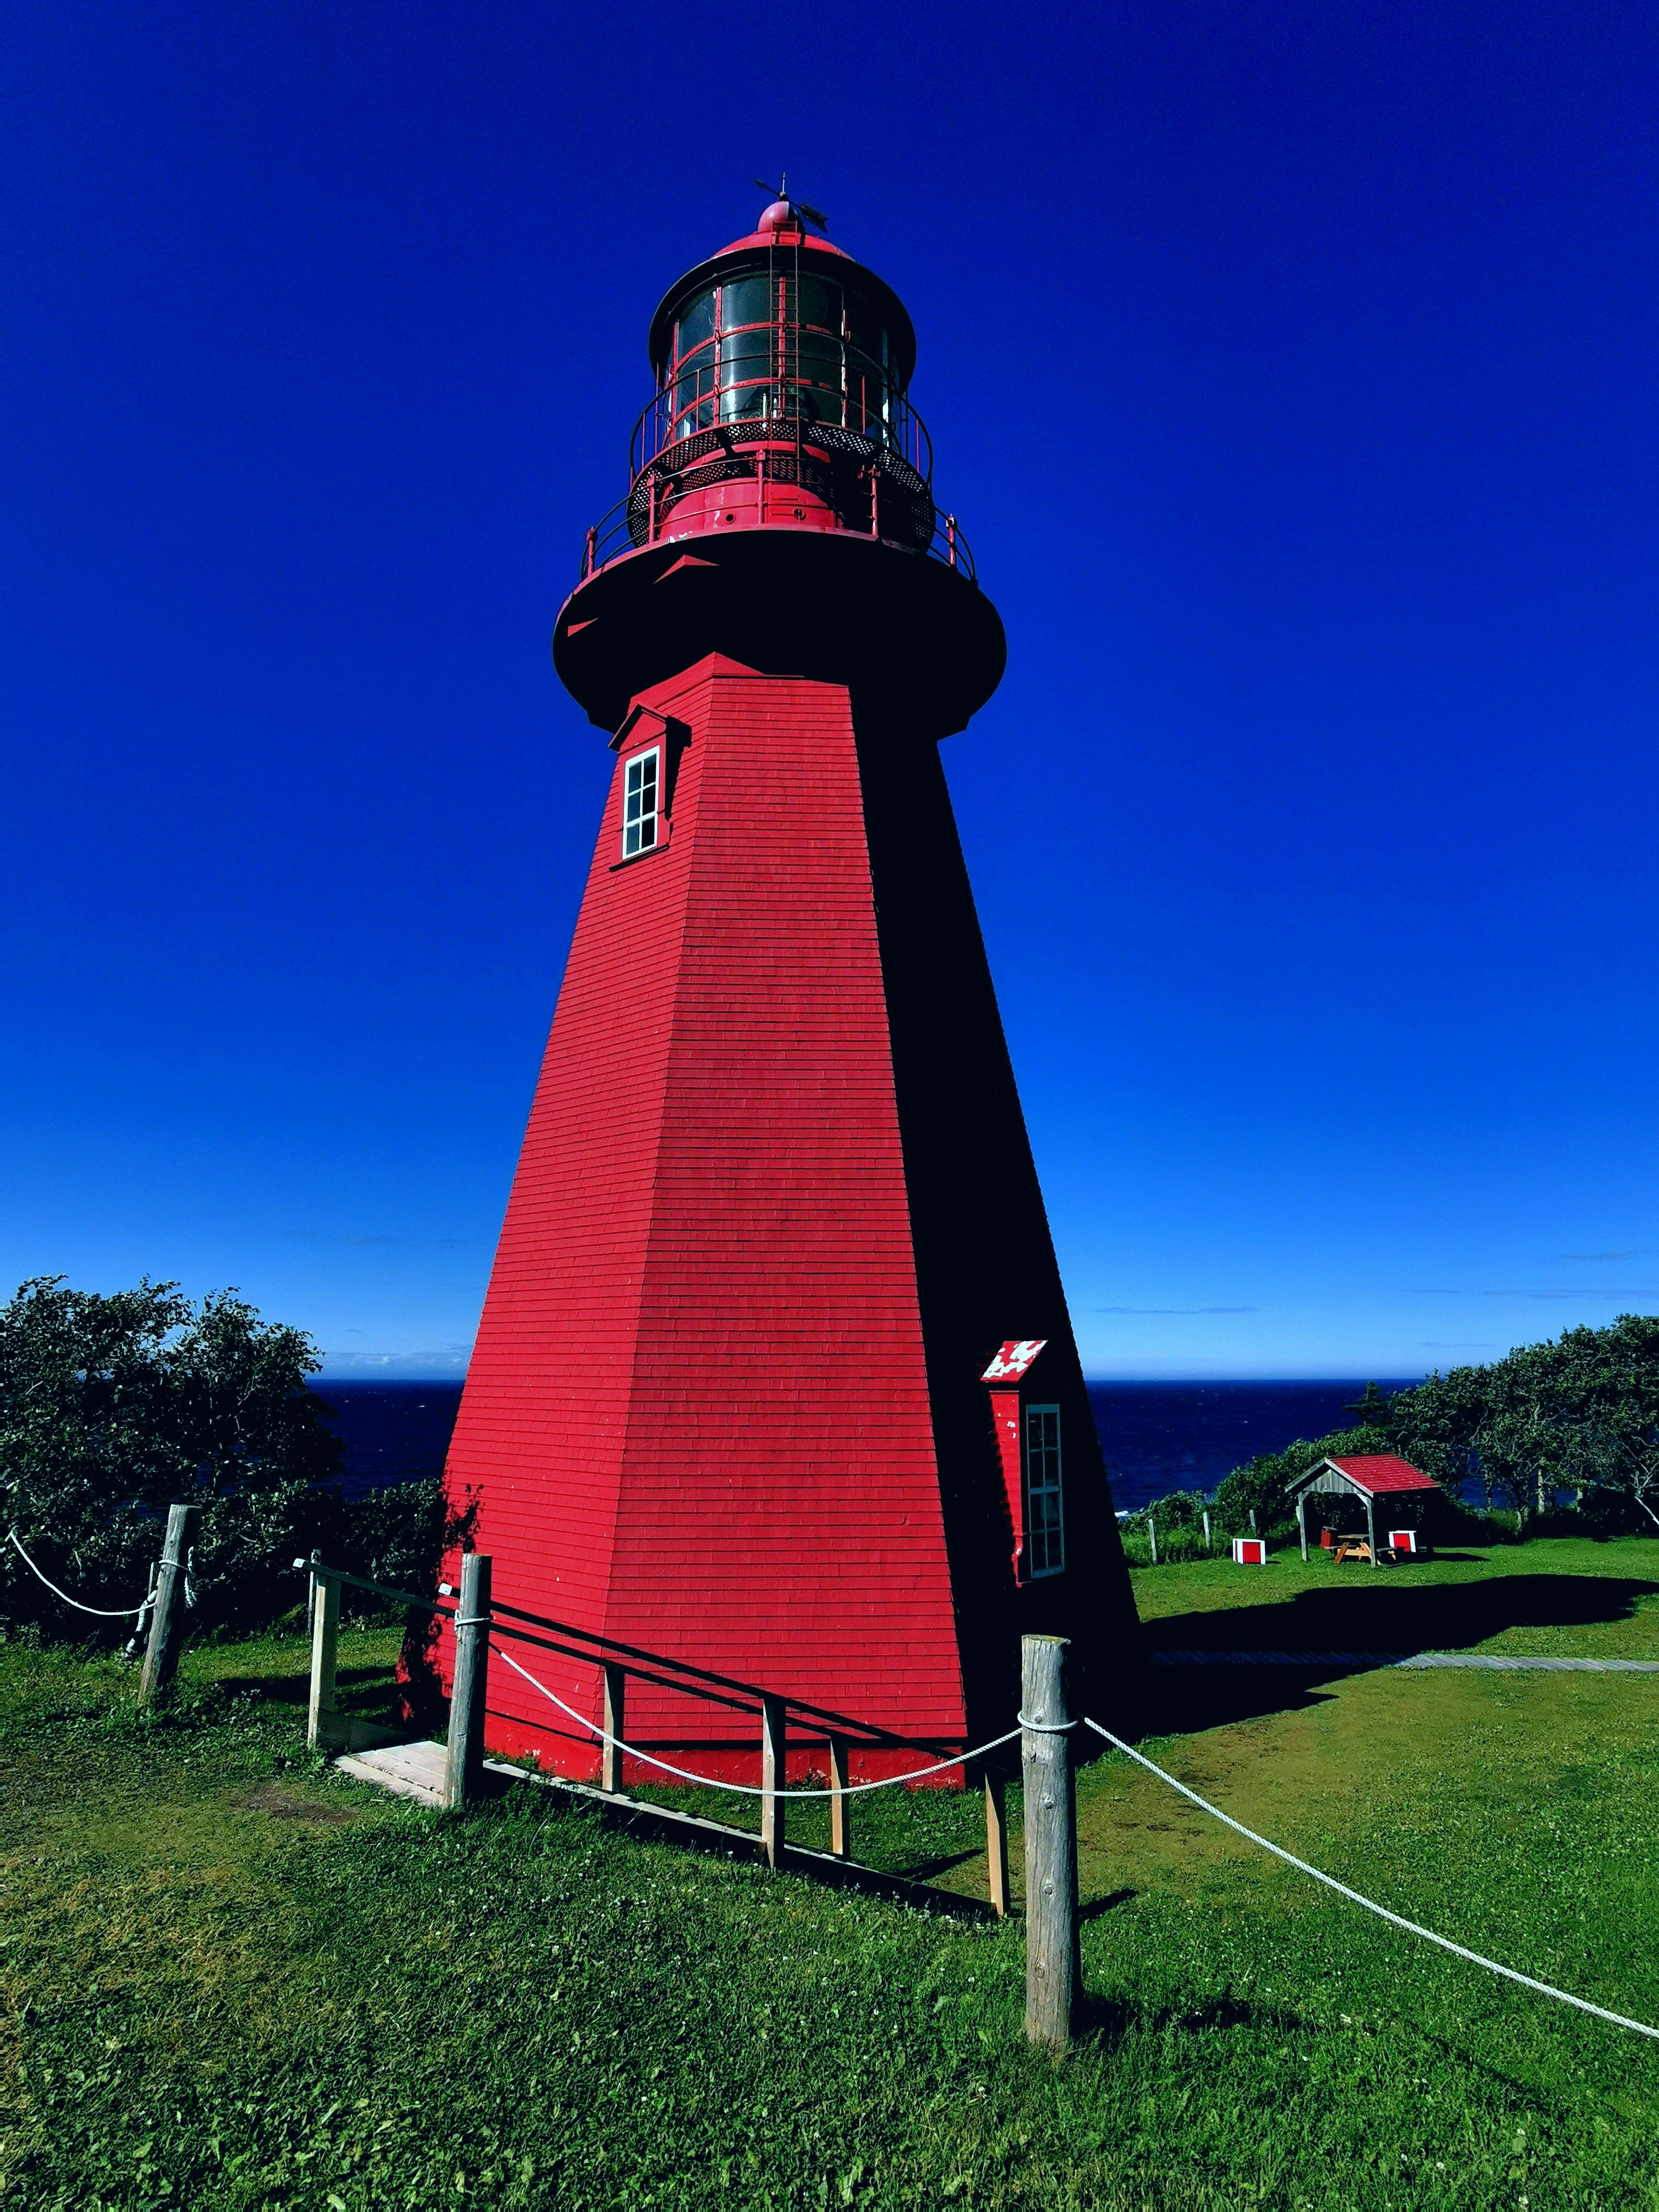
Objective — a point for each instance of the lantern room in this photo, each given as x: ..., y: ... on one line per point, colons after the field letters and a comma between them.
x: 782, y: 368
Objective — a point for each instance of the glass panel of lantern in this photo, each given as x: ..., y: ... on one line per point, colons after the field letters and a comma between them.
x: 745, y: 374
x: 747, y: 301
x: 693, y: 400
x: 819, y: 304
x: 695, y: 326
x: 818, y: 367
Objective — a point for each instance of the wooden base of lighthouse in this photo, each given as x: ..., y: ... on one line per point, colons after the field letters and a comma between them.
x: 776, y: 1210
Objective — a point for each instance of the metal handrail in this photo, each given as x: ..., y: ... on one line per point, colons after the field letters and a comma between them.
x: 901, y: 431
x: 658, y: 1667
x: 611, y: 536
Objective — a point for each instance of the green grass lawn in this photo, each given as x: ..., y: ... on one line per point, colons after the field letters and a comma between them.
x: 229, y: 1978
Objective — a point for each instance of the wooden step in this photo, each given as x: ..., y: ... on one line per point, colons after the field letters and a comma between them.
x: 407, y: 1770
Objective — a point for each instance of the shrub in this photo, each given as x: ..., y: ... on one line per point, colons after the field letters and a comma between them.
x: 1180, y: 1530
x: 113, y: 1406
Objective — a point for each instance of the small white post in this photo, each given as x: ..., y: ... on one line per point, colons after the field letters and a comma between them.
x: 325, y: 1634
x: 1302, y: 1523
x: 1151, y: 1534
x: 1208, y: 1546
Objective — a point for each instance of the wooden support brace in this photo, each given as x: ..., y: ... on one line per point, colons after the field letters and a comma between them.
x: 616, y: 1715
x: 840, y: 1836
x: 772, y: 1712
x: 1052, y: 1964
x: 996, y: 1842
x: 167, y: 1622
x: 464, y: 1767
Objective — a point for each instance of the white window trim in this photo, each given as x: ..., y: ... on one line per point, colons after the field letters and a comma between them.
x: 633, y: 760
x: 1058, y: 1492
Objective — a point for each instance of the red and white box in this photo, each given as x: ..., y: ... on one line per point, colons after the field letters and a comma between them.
x: 1408, y: 1539
x: 1250, y: 1552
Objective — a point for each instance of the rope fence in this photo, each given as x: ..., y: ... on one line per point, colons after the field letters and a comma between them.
x: 1398, y: 1920
x: 156, y: 1620
x: 98, y: 1612
x: 1043, y: 1727
x: 744, y: 1789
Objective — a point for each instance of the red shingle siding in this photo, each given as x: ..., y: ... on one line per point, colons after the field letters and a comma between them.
x: 697, y: 1413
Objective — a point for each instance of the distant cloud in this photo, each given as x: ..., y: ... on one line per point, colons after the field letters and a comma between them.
x: 416, y: 1367
x: 1630, y: 1254
x: 1177, y: 1309
x: 1581, y: 1290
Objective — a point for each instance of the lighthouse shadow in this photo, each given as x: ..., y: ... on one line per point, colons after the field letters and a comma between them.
x: 1207, y: 1669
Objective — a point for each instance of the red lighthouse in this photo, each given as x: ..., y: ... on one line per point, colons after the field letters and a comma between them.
x: 775, y: 1375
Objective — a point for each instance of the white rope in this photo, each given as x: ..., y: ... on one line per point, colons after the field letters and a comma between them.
x: 1411, y: 1927
x: 743, y: 1788
x: 99, y: 1612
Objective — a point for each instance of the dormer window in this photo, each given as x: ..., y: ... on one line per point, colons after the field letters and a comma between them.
x: 642, y: 786
x: 1045, y: 1533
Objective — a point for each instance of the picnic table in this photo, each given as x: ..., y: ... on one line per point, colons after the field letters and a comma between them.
x: 1351, y: 1547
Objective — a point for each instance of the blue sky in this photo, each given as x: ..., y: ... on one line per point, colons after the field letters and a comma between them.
x: 1290, y: 368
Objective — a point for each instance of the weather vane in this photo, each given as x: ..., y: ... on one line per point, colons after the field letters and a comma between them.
x: 814, y: 216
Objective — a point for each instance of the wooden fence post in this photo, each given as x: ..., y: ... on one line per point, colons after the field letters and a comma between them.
x: 1053, y: 1975
x: 324, y: 1633
x: 996, y: 1842
x: 464, y: 1770
x: 161, y: 1654
x: 772, y: 1712
x: 616, y: 1719
x: 840, y: 1843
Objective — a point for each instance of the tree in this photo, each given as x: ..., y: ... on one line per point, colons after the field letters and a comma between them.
x: 1372, y: 1410
x: 1579, y: 1412
x: 113, y: 1406
x: 1262, y: 1485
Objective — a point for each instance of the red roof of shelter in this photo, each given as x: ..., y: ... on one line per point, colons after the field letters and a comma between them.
x: 1381, y: 1471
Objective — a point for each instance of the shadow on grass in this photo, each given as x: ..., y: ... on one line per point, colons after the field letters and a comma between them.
x: 296, y: 1689
x: 1092, y: 1907
x: 1106, y: 2021
x: 1378, y: 1613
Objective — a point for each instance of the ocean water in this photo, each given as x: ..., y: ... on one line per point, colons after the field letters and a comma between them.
x: 1156, y: 1436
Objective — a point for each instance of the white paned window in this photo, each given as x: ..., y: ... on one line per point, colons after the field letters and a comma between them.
x: 641, y: 782
x: 1045, y: 1534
